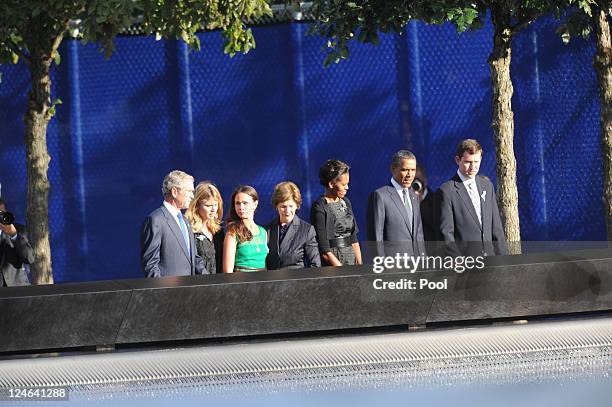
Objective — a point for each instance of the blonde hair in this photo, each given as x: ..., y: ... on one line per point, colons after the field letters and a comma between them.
x: 285, y: 191
x: 204, y: 191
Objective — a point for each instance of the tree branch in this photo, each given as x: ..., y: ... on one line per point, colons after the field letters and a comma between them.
x: 60, y: 36
x: 58, y: 40
x: 66, y: 26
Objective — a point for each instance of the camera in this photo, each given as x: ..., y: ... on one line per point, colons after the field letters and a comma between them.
x: 417, y: 185
x: 7, y: 218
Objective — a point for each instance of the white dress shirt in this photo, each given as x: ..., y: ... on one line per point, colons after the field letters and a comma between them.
x: 174, y: 212
x: 400, y: 191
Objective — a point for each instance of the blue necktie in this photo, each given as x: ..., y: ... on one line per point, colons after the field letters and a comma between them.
x: 184, y: 230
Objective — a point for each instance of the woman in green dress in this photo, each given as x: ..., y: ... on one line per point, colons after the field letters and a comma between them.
x: 246, y: 244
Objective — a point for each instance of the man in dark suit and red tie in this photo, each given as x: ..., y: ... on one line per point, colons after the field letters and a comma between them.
x: 470, y: 223
x: 166, y: 241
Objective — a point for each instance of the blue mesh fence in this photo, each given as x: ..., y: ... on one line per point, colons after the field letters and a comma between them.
x: 557, y: 122
x: 277, y: 114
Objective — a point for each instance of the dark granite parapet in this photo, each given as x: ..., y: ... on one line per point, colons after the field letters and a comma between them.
x: 282, y: 301
x: 522, y: 290
x: 61, y: 316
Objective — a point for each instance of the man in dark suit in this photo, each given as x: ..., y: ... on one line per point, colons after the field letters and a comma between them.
x: 426, y: 195
x: 167, y: 242
x: 292, y: 242
x: 393, y: 215
x: 15, y: 253
x: 469, y: 217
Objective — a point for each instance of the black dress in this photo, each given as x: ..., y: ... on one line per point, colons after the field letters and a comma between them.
x: 211, y: 251
x: 344, y: 224
x: 333, y: 220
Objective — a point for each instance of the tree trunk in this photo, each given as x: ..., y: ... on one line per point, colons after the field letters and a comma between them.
x: 36, y: 120
x: 603, y: 67
x: 503, y: 125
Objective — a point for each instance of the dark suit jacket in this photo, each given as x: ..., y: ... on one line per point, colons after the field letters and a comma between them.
x: 388, y: 223
x: 322, y: 218
x: 162, y: 247
x: 298, y: 249
x: 430, y: 217
x: 459, y: 224
x: 13, y: 255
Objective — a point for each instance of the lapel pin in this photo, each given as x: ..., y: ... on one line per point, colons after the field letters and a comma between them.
x: 483, y: 195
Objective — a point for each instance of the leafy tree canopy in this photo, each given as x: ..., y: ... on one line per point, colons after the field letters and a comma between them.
x: 578, y: 20
x: 32, y: 27
x: 344, y: 21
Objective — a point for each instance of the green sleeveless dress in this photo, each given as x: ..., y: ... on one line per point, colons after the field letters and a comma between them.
x: 251, y: 255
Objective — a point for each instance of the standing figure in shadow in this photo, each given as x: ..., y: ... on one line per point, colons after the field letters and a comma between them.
x: 246, y: 244
x: 427, y: 199
x: 205, y: 213
x: 15, y: 251
x: 333, y: 218
x: 292, y: 241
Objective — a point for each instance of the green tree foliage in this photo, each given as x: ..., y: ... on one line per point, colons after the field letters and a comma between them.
x: 342, y: 22
x: 32, y: 31
x: 99, y: 21
x: 579, y: 19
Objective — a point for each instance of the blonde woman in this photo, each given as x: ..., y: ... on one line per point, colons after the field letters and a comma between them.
x: 205, y: 213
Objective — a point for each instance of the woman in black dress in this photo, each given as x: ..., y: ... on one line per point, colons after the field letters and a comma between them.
x: 205, y: 213
x: 333, y: 219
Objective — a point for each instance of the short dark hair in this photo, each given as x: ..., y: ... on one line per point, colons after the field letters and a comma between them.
x: 470, y: 145
x: 332, y: 170
x: 396, y: 160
